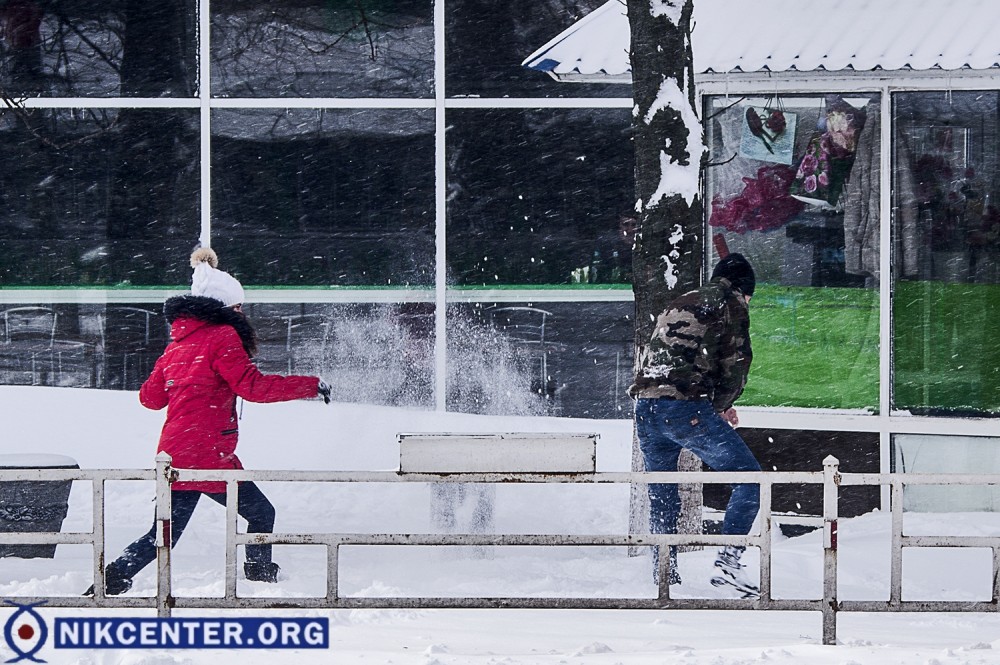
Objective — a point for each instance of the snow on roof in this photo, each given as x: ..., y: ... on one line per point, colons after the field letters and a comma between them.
x: 784, y: 35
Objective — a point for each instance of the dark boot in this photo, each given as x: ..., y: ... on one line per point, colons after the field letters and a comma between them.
x: 261, y: 571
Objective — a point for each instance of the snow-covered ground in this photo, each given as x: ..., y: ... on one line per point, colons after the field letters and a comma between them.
x: 109, y: 429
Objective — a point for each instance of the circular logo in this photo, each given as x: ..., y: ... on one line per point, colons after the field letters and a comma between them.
x: 25, y: 632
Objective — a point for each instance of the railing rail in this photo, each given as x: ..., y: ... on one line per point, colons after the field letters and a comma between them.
x: 829, y: 605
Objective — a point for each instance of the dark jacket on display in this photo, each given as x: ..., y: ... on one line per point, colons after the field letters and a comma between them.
x: 700, y: 348
x: 198, y: 378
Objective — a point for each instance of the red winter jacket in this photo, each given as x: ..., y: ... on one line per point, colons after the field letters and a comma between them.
x: 198, y: 378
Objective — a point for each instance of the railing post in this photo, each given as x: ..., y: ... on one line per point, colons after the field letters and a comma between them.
x: 896, y: 561
x: 232, y: 512
x: 164, y: 476
x: 99, y: 553
x: 831, y: 511
x: 766, y: 524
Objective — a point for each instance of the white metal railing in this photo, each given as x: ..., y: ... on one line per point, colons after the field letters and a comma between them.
x: 828, y: 605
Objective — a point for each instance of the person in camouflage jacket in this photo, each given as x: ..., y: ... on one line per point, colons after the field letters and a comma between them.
x: 689, y: 375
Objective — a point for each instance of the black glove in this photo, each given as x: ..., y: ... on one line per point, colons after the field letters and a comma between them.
x: 324, y: 391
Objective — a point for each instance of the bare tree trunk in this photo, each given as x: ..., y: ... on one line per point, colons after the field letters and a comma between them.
x: 669, y: 251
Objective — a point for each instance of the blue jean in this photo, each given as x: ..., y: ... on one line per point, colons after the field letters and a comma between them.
x: 664, y: 426
x: 252, y: 506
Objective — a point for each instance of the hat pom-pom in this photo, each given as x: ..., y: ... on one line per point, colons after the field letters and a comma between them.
x: 204, y: 255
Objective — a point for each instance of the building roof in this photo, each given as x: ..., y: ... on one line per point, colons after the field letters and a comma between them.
x: 792, y: 35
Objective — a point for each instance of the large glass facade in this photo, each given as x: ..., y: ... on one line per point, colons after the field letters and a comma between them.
x: 305, y: 149
x: 383, y: 175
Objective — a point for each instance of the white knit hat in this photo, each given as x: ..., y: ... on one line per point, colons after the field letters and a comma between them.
x: 208, y: 281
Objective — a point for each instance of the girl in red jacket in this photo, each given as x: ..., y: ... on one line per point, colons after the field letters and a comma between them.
x: 203, y: 370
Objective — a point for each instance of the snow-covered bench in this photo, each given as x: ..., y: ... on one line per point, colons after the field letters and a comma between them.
x: 468, y: 507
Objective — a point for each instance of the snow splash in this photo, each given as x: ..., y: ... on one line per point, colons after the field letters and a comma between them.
x: 378, y: 356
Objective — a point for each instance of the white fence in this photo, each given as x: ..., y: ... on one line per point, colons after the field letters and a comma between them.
x: 829, y: 605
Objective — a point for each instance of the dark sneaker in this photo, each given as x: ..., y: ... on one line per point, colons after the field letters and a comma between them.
x: 261, y: 571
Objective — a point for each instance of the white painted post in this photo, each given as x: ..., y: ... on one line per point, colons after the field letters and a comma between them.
x: 896, y: 561
x: 766, y: 524
x: 99, y: 553
x: 831, y: 511
x: 232, y: 514
x: 164, y: 476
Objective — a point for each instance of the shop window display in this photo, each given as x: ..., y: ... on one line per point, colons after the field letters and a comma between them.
x: 793, y: 185
x: 946, y: 247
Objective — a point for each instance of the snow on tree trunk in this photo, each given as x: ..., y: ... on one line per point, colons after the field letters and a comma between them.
x: 669, y: 151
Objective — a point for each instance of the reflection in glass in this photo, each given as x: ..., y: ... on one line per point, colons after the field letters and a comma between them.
x: 98, y: 196
x: 946, y: 252
x: 560, y: 359
x: 540, y: 197
x: 76, y: 49
x: 110, y: 346
x: 318, y: 197
x: 323, y: 48
x: 486, y: 42
x: 793, y: 185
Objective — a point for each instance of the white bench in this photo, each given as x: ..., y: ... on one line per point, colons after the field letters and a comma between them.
x: 469, y: 507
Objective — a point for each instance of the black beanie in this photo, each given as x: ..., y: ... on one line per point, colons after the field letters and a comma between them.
x: 738, y: 271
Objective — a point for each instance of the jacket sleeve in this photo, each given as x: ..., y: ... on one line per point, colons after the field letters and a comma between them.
x: 733, y: 357
x: 153, y: 393
x: 233, y: 364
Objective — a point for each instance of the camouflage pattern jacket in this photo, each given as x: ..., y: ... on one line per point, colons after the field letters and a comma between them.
x: 700, y: 348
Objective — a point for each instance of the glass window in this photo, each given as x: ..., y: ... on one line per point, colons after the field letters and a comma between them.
x: 323, y: 48
x: 926, y: 453
x: 946, y: 261
x: 793, y: 185
x: 551, y: 358
x: 313, y: 197
x: 100, y: 49
x: 486, y: 42
x: 540, y: 197
x: 103, y: 197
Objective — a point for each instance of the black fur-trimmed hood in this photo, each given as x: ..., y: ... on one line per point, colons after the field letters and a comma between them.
x: 211, y: 310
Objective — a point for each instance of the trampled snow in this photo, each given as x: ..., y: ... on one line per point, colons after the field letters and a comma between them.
x: 103, y: 429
